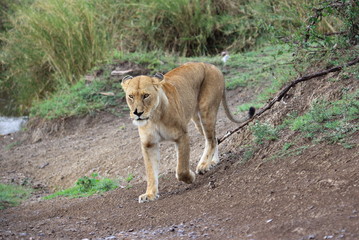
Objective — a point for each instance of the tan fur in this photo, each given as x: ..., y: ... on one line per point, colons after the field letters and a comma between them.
x: 164, y: 108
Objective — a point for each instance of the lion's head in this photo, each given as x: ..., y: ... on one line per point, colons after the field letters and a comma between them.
x: 143, y: 95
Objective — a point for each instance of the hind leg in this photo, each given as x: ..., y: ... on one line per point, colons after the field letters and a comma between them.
x: 197, y: 121
x: 210, y: 155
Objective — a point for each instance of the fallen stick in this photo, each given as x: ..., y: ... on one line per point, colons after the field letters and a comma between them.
x: 281, y: 94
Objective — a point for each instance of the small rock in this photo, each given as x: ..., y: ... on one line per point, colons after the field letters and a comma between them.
x: 131, y: 230
x: 110, y: 237
x: 44, y: 165
x: 328, y: 237
x: 269, y: 220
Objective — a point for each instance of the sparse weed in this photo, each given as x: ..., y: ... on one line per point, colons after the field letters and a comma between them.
x: 263, y: 132
x: 12, y: 195
x: 129, y: 178
x: 12, y: 145
x: 287, y: 152
x: 330, y: 121
x: 286, y: 146
x: 248, y: 153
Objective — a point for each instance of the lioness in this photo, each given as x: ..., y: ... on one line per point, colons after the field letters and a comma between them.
x: 162, y: 106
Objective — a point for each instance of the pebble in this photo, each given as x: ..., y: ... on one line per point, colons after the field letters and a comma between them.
x: 110, y: 237
x: 328, y: 237
x: 312, y: 236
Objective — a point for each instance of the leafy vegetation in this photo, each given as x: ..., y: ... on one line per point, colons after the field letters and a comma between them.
x: 87, y: 186
x: 333, y: 46
x: 48, y: 45
x: 12, y: 195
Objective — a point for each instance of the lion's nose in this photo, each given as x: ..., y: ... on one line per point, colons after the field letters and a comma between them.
x: 138, y: 114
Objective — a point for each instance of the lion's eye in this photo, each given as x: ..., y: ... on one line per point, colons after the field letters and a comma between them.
x: 146, y: 96
x: 130, y: 97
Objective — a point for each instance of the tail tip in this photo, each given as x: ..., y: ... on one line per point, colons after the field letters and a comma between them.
x: 251, y: 112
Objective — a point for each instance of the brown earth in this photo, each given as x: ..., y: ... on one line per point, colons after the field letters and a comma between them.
x: 312, y: 194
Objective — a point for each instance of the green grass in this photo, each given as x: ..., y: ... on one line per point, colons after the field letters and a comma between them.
x: 267, y: 68
x: 330, y: 121
x: 81, y: 98
x: 264, y: 66
x: 13, y: 195
x: 333, y: 122
x: 155, y: 61
x: 87, y: 186
x: 263, y: 132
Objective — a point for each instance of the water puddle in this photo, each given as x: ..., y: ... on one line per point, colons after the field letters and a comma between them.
x: 11, y: 124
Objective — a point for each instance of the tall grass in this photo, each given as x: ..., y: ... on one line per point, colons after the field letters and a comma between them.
x: 198, y: 27
x: 50, y: 44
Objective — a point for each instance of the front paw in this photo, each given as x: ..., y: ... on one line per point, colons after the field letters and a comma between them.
x: 204, y: 167
x: 147, y: 197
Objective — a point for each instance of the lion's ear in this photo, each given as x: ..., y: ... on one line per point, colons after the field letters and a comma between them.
x: 159, y: 76
x: 126, y: 78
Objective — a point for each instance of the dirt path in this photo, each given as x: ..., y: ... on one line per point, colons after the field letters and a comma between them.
x: 56, y: 154
x: 313, y: 195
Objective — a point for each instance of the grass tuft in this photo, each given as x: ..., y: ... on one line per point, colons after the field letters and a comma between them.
x: 87, y: 186
x: 12, y: 195
x: 263, y: 132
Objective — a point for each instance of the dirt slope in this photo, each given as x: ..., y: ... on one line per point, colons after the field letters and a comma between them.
x: 313, y: 195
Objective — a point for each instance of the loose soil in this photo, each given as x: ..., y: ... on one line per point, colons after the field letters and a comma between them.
x: 313, y: 194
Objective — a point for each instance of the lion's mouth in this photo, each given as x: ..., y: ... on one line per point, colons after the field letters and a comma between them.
x: 142, y: 119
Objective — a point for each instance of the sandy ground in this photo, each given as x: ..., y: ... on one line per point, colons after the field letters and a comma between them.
x: 311, y: 195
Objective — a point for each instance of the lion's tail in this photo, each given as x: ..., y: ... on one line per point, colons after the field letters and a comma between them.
x: 251, y: 111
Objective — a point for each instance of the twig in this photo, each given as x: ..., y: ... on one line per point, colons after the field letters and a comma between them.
x: 281, y: 94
